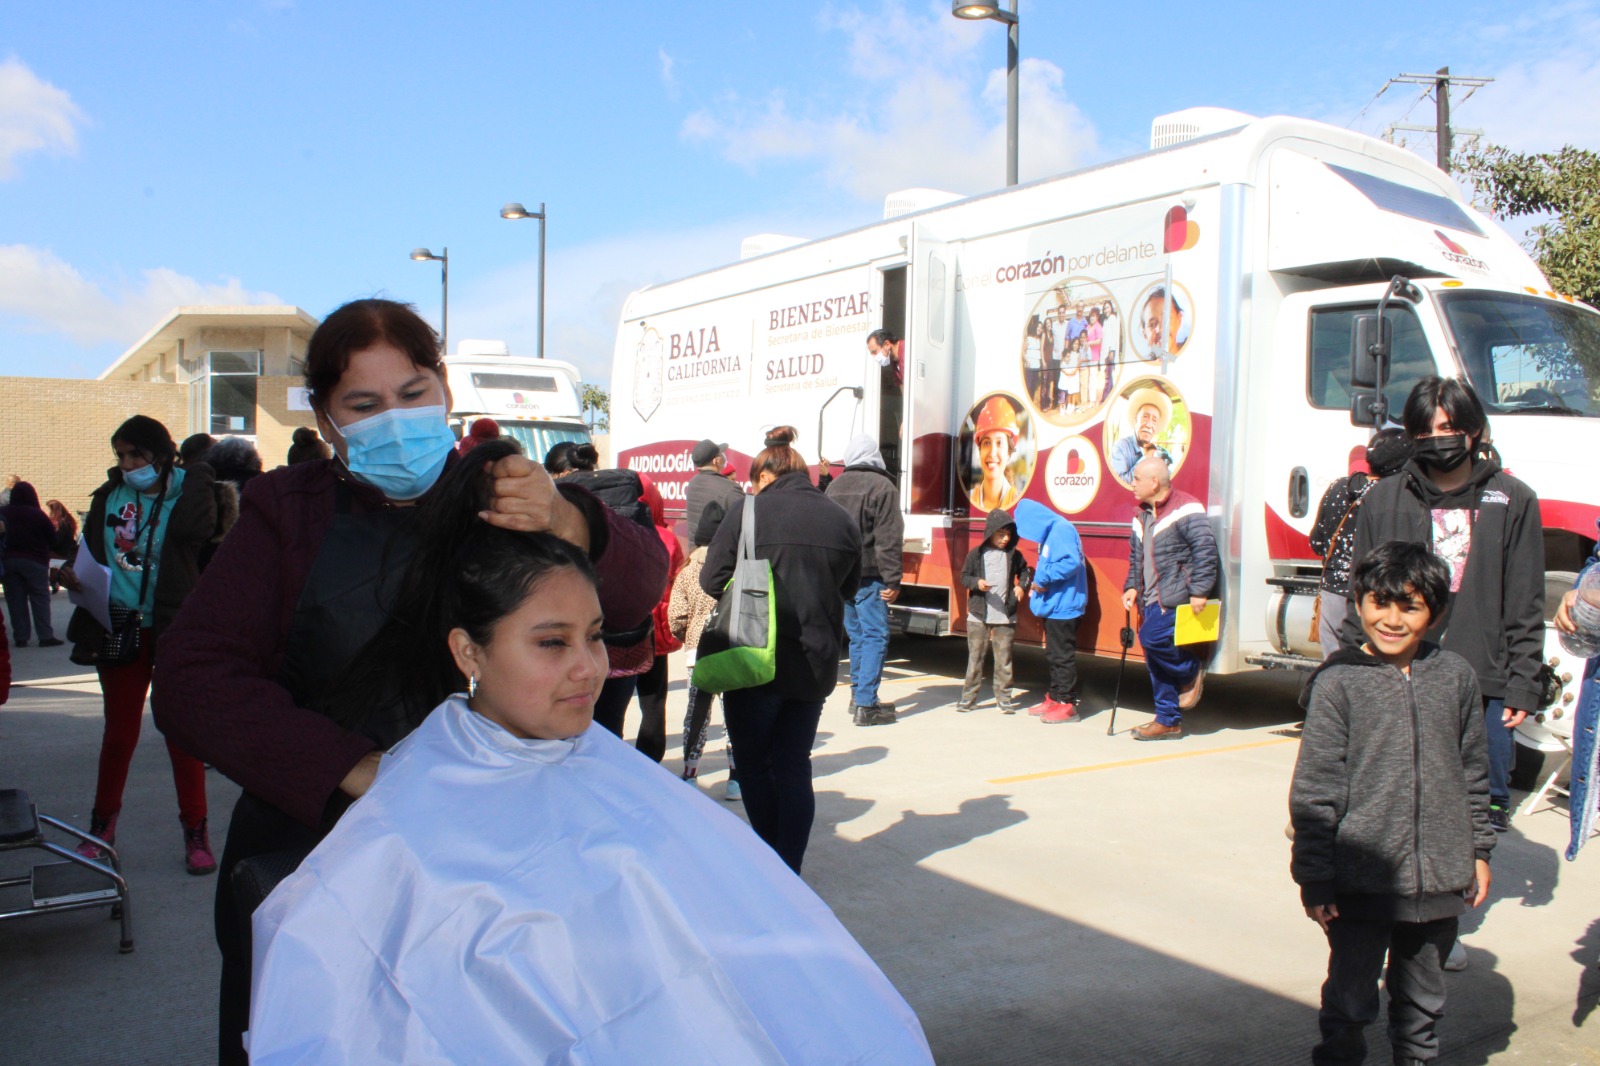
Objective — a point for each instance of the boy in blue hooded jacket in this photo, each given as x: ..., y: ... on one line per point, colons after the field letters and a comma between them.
x: 1060, y: 596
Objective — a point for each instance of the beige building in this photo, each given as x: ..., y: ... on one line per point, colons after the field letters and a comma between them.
x: 226, y: 371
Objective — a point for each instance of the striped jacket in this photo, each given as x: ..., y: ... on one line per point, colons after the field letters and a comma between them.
x: 1185, y: 549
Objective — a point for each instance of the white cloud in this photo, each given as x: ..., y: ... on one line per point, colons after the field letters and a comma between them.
x: 49, y: 295
x: 931, y: 113
x: 668, y: 79
x: 35, y: 116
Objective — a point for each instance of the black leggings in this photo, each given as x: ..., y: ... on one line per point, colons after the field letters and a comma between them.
x: 611, y: 709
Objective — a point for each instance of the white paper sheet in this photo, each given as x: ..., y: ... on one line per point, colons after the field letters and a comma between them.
x: 94, y: 585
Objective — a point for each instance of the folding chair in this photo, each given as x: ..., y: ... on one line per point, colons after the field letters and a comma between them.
x: 75, y: 883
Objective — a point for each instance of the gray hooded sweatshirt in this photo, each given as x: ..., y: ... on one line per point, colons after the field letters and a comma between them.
x: 1390, y: 801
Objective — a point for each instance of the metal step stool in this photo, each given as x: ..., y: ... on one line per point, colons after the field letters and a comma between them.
x: 69, y: 885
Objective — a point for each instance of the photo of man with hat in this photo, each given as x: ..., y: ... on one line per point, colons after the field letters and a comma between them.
x: 1149, y: 415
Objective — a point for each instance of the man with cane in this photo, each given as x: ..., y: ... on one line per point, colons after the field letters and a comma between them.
x: 1172, y: 560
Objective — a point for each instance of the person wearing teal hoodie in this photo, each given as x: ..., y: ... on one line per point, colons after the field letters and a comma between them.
x: 1060, y: 596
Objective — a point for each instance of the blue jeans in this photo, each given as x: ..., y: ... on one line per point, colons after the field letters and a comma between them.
x: 28, y: 587
x: 1502, y: 753
x: 866, y: 620
x: 1171, y: 666
x: 772, y: 739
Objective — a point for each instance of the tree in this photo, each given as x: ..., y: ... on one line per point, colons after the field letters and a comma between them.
x: 596, y: 407
x: 1565, y: 186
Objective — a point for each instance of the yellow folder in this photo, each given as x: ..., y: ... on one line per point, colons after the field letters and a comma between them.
x: 1191, y: 628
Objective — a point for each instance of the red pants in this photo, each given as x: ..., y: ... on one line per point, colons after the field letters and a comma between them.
x: 124, y: 688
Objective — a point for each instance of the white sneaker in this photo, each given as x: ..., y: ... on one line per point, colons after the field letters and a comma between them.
x: 731, y: 793
x: 1457, y: 959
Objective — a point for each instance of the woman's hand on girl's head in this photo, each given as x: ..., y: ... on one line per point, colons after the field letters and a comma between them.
x: 525, y: 499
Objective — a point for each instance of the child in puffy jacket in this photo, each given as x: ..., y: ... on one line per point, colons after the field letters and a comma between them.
x: 688, y: 608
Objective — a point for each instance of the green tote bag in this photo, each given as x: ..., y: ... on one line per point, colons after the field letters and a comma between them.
x: 739, y: 645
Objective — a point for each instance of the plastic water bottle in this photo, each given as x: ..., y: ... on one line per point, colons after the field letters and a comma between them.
x: 1585, y: 643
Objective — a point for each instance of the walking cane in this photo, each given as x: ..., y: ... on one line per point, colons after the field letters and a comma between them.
x: 1126, y: 636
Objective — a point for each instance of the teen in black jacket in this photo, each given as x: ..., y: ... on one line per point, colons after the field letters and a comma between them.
x: 1454, y: 497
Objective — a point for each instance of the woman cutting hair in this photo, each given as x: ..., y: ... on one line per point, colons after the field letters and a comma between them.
x: 306, y: 577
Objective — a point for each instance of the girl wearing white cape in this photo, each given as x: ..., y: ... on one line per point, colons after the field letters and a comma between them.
x: 518, y: 887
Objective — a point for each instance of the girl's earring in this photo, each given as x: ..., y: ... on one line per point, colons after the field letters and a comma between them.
x: 472, y: 686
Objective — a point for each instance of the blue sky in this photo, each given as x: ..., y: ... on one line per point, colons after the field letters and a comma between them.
x: 274, y: 151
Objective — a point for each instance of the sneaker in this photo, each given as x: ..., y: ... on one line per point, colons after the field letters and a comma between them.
x: 1456, y: 961
x: 1042, y: 707
x: 865, y: 716
x: 197, y: 849
x: 19, y: 644
x: 731, y: 792
x: 966, y: 708
x: 1059, y: 713
x: 1499, y: 818
x: 1008, y: 708
x: 53, y: 642
x: 105, y: 829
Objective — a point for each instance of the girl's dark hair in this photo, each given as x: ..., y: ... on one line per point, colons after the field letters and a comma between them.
x: 1390, y: 571
x: 307, y: 446
x: 360, y: 324
x: 464, y: 573
x: 778, y: 455
x: 1457, y: 400
x: 150, y: 437
x: 194, y: 446
x: 566, y: 456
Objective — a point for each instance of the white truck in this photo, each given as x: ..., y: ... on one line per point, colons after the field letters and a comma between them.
x: 536, y: 401
x: 1208, y: 294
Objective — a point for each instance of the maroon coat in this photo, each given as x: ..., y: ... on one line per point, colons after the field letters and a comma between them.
x: 216, y: 692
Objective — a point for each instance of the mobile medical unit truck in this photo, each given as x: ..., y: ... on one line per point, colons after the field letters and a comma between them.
x: 1232, y: 272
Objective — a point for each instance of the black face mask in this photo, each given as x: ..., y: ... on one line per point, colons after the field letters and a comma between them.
x: 1442, y: 453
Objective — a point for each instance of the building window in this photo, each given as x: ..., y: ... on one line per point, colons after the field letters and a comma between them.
x: 230, y: 387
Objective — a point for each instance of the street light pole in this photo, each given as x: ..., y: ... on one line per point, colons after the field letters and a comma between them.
x: 422, y: 255
x: 516, y: 211
x: 963, y: 9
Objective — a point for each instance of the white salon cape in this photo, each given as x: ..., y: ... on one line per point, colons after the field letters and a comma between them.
x: 499, y: 900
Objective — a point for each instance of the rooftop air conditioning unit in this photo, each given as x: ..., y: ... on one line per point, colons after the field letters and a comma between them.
x: 905, y: 201
x: 1179, y: 126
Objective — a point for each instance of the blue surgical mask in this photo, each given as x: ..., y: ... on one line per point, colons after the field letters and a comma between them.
x: 143, y: 479
x: 400, y: 452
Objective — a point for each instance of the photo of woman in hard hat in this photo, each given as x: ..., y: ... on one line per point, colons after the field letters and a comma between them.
x: 997, y: 452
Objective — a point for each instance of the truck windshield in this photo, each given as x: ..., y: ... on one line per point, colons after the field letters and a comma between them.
x: 537, y: 438
x: 1527, y: 353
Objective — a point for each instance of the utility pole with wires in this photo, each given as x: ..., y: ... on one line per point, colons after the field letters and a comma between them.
x: 1440, y: 81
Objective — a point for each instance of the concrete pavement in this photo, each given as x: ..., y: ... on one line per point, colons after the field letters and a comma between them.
x: 1040, y: 894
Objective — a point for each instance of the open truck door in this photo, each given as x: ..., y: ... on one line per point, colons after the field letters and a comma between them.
x: 929, y: 379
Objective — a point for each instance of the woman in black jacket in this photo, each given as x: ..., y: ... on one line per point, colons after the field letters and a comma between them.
x: 146, y: 525
x: 815, y: 551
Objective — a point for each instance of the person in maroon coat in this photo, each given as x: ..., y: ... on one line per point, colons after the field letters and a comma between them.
x: 250, y: 669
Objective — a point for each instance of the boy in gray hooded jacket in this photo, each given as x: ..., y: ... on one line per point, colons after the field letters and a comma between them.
x: 1390, y: 808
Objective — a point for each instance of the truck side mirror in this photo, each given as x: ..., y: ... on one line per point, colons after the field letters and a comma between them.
x: 1363, y: 408
x: 1370, y: 340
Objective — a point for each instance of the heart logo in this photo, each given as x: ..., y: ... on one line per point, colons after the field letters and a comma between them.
x: 1074, y: 462
x: 1179, y: 234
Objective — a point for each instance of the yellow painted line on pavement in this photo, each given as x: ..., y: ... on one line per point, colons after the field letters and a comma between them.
x: 1120, y: 763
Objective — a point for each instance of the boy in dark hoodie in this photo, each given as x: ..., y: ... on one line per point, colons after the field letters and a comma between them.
x: 1454, y: 497
x: 1390, y: 808
x: 997, y: 577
